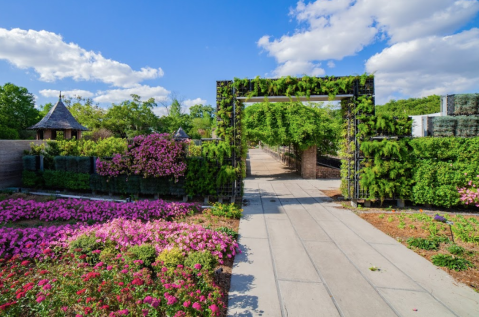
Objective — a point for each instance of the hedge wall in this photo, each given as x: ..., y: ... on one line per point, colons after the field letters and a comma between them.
x: 424, y: 170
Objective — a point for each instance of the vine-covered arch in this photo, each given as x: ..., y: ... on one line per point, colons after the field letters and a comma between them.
x: 356, y: 94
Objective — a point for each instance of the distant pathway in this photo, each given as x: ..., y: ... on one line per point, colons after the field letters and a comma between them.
x: 304, y: 257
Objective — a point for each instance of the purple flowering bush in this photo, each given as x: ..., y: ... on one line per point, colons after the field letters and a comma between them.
x: 83, y: 210
x: 153, y: 155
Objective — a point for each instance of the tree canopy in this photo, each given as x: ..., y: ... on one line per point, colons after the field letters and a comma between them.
x: 17, y: 111
x: 292, y: 123
x: 411, y: 106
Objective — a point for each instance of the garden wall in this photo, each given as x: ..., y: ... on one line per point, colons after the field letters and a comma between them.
x: 11, y: 152
x: 327, y: 172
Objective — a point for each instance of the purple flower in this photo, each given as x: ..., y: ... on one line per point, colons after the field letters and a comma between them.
x: 440, y: 218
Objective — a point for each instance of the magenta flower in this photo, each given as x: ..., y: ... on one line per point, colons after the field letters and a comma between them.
x: 197, y: 266
x: 196, y: 306
x: 40, y: 298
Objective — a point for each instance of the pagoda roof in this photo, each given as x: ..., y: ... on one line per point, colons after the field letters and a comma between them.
x: 181, y: 134
x: 58, y: 118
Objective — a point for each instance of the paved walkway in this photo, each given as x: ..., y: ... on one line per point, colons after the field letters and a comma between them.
x: 304, y: 257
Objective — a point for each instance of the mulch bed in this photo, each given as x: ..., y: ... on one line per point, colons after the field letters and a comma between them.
x: 469, y: 277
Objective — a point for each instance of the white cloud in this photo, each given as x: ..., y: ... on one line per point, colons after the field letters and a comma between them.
x: 53, y: 59
x: 331, y: 64
x: 68, y: 93
x: 294, y: 68
x: 191, y: 102
x: 144, y: 91
x: 430, y: 65
x: 339, y: 28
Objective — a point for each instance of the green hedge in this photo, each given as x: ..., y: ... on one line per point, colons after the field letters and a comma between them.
x: 424, y: 170
x: 30, y: 163
x: 56, y: 180
x: 73, y: 164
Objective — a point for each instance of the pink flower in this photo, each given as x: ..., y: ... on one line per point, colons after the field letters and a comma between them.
x: 187, y: 304
x: 148, y: 299
x: 196, y: 306
x: 47, y: 287
x: 197, y: 266
x: 214, y: 309
x: 124, y: 271
x: 40, y: 298
x: 109, y: 267
x: 155, y: 303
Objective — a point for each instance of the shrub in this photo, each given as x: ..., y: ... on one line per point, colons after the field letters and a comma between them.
x: 85, y: 245
x: 170, y: 258
x: 425, y: 244
x: 451, y: 262
x: 226, y: 210
x: 205, y: 259
x: 233, y: 234
x: 144, y: 252
x: 456, y: 250
x: 32, y: 179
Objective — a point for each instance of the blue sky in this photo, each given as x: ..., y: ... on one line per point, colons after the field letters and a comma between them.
x: 108, y: 49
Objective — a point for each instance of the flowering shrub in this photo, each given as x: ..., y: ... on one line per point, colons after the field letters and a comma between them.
x: 71, y: 287
x: 154, y: 155
x: 162, y: 235
x: 83, y: 210
x: 122, y: 233
x: 470, y: 195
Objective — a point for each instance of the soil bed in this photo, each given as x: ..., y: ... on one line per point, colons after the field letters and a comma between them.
x: 389, y: 223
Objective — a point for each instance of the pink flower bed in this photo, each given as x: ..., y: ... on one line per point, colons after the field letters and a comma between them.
x: 38, y: 242
x: 83, y: 210
x: 32, y: 242
x: 163, y: 235
x: 153, y: 155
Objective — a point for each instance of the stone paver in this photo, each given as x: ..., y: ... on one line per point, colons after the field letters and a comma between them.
x: 304, y: 257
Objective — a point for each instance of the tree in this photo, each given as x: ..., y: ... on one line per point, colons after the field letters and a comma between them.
x: 131, y: 118
x: 17, y: 110
x: 45, y: 109
x: 200, y: 111
x: 85, y: 112
x: 411, y: 106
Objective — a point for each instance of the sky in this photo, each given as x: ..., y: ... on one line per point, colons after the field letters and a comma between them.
x: 108, y: 50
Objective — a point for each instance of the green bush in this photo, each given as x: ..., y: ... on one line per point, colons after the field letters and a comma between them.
x: 7, y: 133
x: 205, y: 258
x: 108, y: 253
x: 144, y: 252
x: 456, y: 250
x: 226, y: 210
x: 425, y: 244
x: 451, y: 262
x: 233, y: 234
x: 85, y: 244
x: 32, y: 179
x: 170, y: 258
x: 66, y: 180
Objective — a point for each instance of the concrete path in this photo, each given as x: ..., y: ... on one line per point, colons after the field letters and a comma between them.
x: 304, y: 257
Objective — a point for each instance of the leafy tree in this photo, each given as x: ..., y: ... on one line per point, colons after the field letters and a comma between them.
x: 131, y: 118
x: 45, y: 109
x: 17, y: 110
x: 86, y: 113
x: 175, y: 118
x: 411, y: 106
x: 200, y: 111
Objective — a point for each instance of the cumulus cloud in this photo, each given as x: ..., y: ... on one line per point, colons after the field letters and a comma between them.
x: 430, y: 65
x: 332, y: 30
x: 144, y: 91
x: 68, y: 93
x: 191, y: 102
x: 53, y: 59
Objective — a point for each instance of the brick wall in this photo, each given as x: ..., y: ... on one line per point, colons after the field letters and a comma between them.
x: 327, y: 172
x: 11, y: 164
x: 308, y: 163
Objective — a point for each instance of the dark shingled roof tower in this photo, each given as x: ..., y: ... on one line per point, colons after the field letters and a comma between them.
x: 58, y: 118
x: 180, y: 134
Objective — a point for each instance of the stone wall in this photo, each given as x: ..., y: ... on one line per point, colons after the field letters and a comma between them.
x: 327, y: 172
x: 11, y: 164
